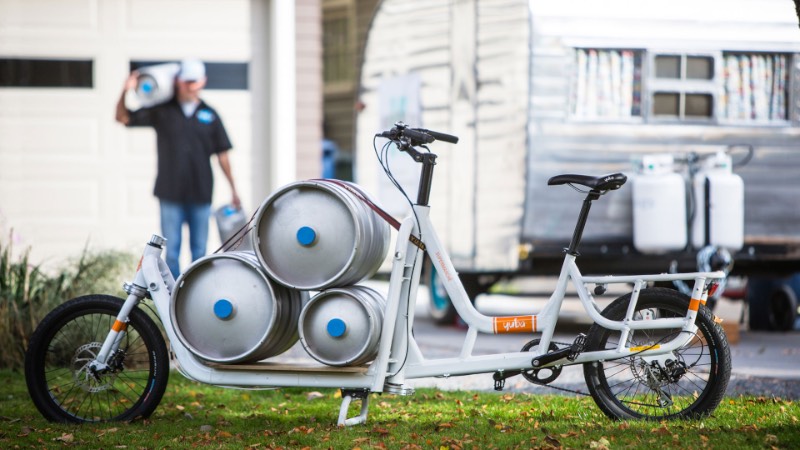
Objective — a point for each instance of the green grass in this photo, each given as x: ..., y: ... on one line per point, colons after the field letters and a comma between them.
x: 192, y: 415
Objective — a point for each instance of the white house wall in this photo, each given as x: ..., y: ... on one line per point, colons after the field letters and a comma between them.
x: 69, y: 174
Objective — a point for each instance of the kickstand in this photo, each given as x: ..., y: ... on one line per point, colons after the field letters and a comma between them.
x: 347, y: 397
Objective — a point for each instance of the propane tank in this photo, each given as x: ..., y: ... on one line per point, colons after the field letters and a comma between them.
x: 659, y: 206
x: 156, y: 84
x: 719, y: 205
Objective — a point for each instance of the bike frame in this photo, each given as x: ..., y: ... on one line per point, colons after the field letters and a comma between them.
x: 399, y: 357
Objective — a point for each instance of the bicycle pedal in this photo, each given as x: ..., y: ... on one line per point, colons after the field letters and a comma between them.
x: 577, y: 347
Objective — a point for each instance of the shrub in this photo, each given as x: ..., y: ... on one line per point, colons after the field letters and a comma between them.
x: 28, y: 293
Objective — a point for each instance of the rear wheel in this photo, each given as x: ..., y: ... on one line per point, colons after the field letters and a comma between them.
x: 688, y: 383
x: 60, y: 381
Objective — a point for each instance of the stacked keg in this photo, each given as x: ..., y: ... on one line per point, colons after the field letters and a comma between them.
x: 321, y: 235
x: 225, y: 309
x: 315, y: 235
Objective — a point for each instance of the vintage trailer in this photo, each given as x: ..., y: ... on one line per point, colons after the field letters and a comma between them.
x: 536, y: 88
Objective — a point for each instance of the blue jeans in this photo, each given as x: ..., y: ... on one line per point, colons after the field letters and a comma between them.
x: 173, y: 216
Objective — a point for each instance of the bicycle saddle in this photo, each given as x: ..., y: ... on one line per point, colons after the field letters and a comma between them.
x: 608, y: 182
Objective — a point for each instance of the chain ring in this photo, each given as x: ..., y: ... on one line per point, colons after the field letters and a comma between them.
x: 533, y: 374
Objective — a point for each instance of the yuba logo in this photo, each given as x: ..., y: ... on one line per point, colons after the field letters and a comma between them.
x: 517, y: 323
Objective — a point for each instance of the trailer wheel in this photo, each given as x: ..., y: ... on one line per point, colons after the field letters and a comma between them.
x: 774, y: 309
x: 441, y: 308
x: 783, y: 308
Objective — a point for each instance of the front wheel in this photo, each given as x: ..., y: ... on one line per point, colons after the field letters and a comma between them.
x: 688, y: 383
x: 59, y: 379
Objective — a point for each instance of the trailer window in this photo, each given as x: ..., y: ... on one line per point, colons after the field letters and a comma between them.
x: 607, y: 84
x: 699, y: 68
x: 756, y: 87
x: 682, y: 87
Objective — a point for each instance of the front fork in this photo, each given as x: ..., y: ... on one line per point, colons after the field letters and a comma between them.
x: 137, y: 290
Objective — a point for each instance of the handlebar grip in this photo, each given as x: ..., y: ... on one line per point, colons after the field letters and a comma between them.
x: 421, y: 136
x: 443, y: 136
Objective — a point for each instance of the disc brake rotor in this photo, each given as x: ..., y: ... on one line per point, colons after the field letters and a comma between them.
x: 86, y: 378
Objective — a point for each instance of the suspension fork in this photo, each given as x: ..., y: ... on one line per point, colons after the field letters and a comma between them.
x: 136, y: 291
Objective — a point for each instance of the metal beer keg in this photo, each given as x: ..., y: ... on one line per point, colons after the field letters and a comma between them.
x: 342, y: 326
x: 225, y: 309
x: 312, y: 235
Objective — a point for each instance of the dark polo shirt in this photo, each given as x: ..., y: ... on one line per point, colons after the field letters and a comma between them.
x: 185, y: 145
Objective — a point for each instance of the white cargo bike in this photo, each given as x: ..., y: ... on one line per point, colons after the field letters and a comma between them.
x: 651, y: 354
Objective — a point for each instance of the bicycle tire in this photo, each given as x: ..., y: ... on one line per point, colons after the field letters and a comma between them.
x: 629, y: 388
x: 67, y: 339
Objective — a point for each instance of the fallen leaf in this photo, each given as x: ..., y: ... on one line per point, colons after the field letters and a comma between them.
x: 662, y: 431
x: 552, y: 441
x: 314, y: 395
x: 65, y: 437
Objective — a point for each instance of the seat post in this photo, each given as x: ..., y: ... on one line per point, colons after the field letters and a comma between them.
x: 576, y: 236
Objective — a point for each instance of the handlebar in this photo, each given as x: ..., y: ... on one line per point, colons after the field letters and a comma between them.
x: 415, y: 136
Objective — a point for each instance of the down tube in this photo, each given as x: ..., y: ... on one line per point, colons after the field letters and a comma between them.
x: 449, y: 276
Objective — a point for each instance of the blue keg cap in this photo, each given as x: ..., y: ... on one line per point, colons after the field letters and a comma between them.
x: 306, y: 236
x: 336, y: 327
x: 147, y: 87
x: 223, y: 309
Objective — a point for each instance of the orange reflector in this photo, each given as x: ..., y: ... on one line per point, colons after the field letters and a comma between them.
x: 119, y: 326
x: 516, y: 324
x: 694, y: 304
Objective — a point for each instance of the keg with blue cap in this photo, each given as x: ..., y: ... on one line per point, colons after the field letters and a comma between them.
x: 156, y: 84
x: 225, y: 309
x: 317, y: 234
x: 342, y: 326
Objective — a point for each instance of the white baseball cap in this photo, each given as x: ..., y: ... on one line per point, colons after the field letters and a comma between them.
x: 192, y: 70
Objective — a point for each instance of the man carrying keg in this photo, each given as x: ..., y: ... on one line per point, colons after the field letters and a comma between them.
x: 188, y: 133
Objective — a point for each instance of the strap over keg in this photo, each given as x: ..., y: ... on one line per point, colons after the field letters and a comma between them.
x: 388, y: 218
